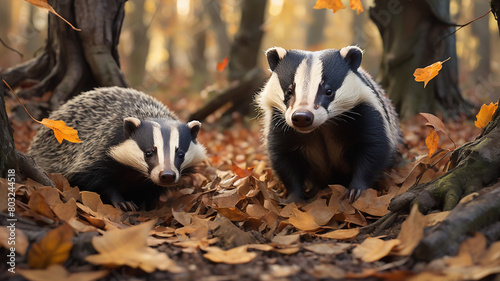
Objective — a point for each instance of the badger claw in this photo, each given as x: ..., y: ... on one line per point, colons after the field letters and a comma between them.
x: 352, y: 195
x: 126, y: 206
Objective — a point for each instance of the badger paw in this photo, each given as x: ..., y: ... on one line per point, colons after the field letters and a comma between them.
x: 126, y: 206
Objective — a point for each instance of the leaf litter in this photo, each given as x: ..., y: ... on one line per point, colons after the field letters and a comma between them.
x: 230, y: 213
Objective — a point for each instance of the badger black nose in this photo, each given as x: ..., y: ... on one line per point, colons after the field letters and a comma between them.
x: 302, y: 119
x: 167, y: 177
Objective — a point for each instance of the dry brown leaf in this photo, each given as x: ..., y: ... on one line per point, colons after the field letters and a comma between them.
x: 412, y: 231
x: 57, y: 272
x: 372, y: 204
x: 236, y: 255
x: 53, y: 248
x: 39, y: 205
x: 65, y: 211
x: 303, y: 221
x: 470, y: 252
x: 373, y: 249
x: 286, y: 239
x: 91, y: 200
x: 129, y: 247
x: 51, y: 195
x: 342, y: 234
x: 21, y: 242
x: 60, y: 181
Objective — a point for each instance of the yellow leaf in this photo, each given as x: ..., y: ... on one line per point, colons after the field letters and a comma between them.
x: 356, y: 5
x: 427, y: 73
x: 53, y: 248
x: 373, y: 249
x: 236, y: 255
x: 432, y: 141
x: 61, y: 131
x: 485, y: 115
x: 44, y: 5
x: 335, y: 5
x: 128, y: 246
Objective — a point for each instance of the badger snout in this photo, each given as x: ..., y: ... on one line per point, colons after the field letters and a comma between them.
x: 167, y: 177
x: 302, y: 118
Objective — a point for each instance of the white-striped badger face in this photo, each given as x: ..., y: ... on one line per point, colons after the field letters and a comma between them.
x: 162, y: 150
x: 310, y: 88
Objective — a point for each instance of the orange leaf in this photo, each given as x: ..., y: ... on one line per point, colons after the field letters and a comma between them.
x: 427, y: 73
x: 238, y: 255
x: 44, y: 5
x: 356, y: 5
x: 53, y: 248
x: 335, y: 5
x: 485, y: 115
x: 61, y: 131
x: 239, y: 171
x: 432, y: 141
x: 222, y: 65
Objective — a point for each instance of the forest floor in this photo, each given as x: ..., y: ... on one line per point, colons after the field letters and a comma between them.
x: 228, y: 222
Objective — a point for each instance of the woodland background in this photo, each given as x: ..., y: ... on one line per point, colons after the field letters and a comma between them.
x: 229, y: 224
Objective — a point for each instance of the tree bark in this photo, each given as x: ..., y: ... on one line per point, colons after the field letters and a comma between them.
x: 74, y: 61
x: 416, y: 34
x: 212, y: 8
x: 7, y: 150
x: 481, y: 31
x: 140, y: 49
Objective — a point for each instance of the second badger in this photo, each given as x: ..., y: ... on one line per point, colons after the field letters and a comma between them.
x: 326, y: 121
x: 132, y: 146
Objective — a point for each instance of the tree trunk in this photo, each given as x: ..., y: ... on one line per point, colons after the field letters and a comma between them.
x: 416, y: 34
x: 140, y: 49
x: 246, y: 46
x: 481, y: 31
x: 75, y: 61
x: 212, y: 8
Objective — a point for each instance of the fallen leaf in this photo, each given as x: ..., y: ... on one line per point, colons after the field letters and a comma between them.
x: 373, y: 249
x: 432, y: 141
x: 222, y: 65
x: 39, y: 205
x: 342, y: 234
x: 412, y: 231
x: 335, y: 5
x: 44, y: 5
x: 65, y: 211
x: 369, y: 202
x: 242, y: 173
x: 53, y: 248
x: 61, y: 131
x: 57, y: 272
x: 427, y: 73
x: 485, y: 115
x: 129, y: 247
x: 303, y: 220
x: 236, y: 255
x: 286, y: 239
x: 328, y: 248
x: 434, y: 122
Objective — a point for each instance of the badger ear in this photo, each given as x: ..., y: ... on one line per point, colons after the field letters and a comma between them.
x: 194, y: 127
x: 274, y: 56
x: 352, y: 55
x: 130, y: 124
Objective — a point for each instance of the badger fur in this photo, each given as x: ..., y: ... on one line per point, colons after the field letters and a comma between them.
x: 326, y: 121
x: 132, y: 146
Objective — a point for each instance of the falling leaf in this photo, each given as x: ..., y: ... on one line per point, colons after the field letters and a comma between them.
x: 434, y: 122
x: 335, y: 5
x: 427, y: 73
x: 44, y: 5
x: 432, y: 141
x: 61, y: 131
x: 57, y: 272
x: 53, y: 248
x: 129, y: 247
x: 357, y: 6
x: 236, y: 255
x: 222, y: 65
x: 485, y: 115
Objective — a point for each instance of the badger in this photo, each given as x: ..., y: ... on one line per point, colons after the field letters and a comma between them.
x: 325, y: 121
x: 132, y: 148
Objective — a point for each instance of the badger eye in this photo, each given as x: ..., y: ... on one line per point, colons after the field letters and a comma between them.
x: 290, y: 90
x: 328, y: 92
x: 181, y: 154
x: 150, y: 153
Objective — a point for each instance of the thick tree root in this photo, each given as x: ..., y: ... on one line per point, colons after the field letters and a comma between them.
x: 480, y: 214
